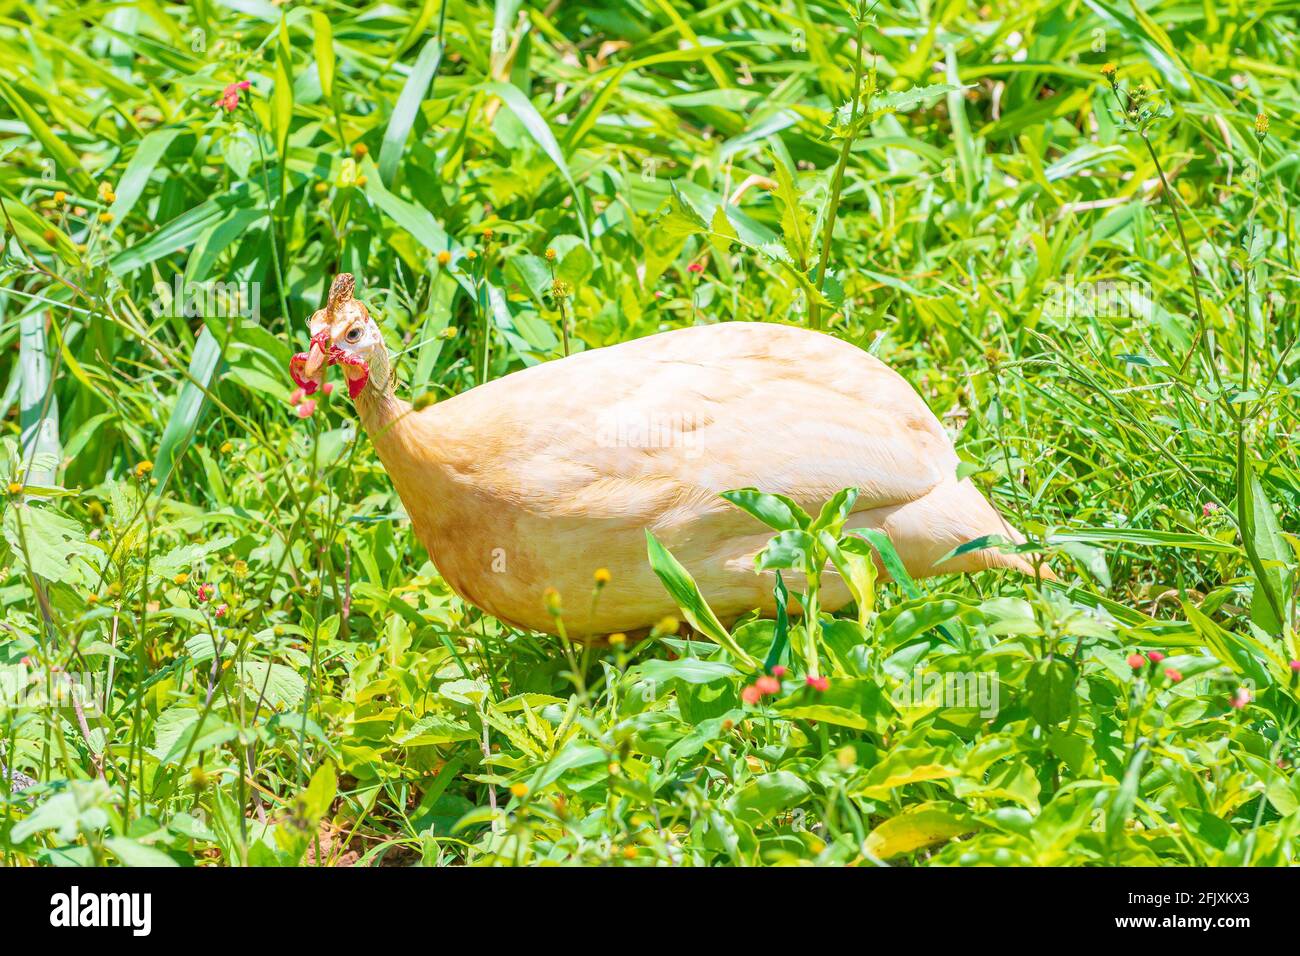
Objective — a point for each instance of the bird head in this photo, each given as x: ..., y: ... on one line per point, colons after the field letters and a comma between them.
x: 343, y: 334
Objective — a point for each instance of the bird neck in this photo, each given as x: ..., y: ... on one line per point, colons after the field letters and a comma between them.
x: 378, y: 406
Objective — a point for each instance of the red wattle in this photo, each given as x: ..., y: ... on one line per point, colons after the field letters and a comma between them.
x: 296, y: 364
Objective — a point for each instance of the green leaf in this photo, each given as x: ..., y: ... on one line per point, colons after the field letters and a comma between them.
x: 789, y: 549
x: 407, y: 108
x: 136, y: 176
x: 50, y: 545
x: 320, y: 791
x: 134, y: 853
x: 889, y: 558
x: 1049, y: 691
x: 775, y: 511
x: 796, y: 225
x: 686, y: 595
x: 284, y: 686
x: 39, y: 408
x: 770, y: 794
x: 538, y: 129
x: 323, y: 46
x: 282, y: 94
x: 189, y: 406
x: 57, y: 150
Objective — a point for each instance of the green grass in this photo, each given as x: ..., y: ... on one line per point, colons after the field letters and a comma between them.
x: 345, y: 707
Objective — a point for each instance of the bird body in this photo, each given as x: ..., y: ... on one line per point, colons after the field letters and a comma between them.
x: 536, y: 480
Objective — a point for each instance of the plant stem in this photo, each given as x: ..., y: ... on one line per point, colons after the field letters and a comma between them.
x: 837, y: 181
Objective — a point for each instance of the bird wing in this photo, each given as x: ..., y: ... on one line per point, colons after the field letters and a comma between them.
x: 653, y: 430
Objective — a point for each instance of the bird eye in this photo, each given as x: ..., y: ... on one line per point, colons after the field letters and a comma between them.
x: 354, y: 334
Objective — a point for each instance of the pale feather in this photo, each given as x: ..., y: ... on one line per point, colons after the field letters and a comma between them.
x: 539, y: 478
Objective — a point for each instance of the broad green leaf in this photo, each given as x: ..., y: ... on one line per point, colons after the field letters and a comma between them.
x: 684, y: 592
x: 775, y: 511
x: 407, y: 108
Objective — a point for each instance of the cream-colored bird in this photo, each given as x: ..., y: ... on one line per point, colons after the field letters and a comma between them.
x: 538, y: 479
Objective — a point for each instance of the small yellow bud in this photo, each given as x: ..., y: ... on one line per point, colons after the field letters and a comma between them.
x: 667, y: 625
x: 551, y: 598
x: 614, y: 769
x: 617, y: 639
x: 181, y: 578
x: 1109, y: 70
x: 361, y: 180
x: 226, y: 448
x: 519, y: 790
x: 322, y: 187
x: 60, y: 198
x: 15, y: 487
x: 424, y: 400
x: 105, y: 217
x: 629, y: 852
x: 1261, y: 125
x: 602, y: 577
x: 360, y: 150
x: 92, y: 598
x: 142, y: 469
x: 444, y: 257
x: 550, y: 255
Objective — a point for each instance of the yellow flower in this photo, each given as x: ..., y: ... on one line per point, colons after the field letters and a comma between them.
x: 444, y: 257
x: 1109, y: 71
x: 360, y: 150
x: 519, y: 790
x: 60, y: 198
x: 450, y: 332
x: 361, y: 180
x: 1261, y: 125
x: 181, y: 578
x: 667, y: 625
x: 629, y: 852
x: 143, y: 468
x: 322, y: 187
x: 602, y: 577
x: 106, y: 217
x: 560, y: 289
x: 240, y: 567
x: 92, y: 598
x: 551, y: 598
x: 226, y: 448
x: 487, y: 235
x: 106, y: 192
x: 550, y: 255
x: 618, y: 639
x: 614, y: 769
x: 15, y: 487
x: 471, y: 255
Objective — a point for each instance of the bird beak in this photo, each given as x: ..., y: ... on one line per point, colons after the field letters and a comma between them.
x: 316, y: 357
x: 308, y: 368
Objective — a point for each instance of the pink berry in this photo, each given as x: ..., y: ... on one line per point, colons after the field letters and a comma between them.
x: 819, y: 683
x: 1156, y: 657
x: 1136, y: 661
